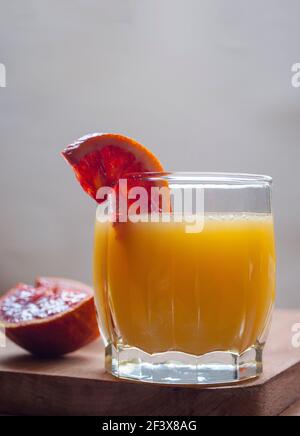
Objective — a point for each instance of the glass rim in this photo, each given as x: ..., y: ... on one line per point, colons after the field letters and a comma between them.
x: 204, y: 177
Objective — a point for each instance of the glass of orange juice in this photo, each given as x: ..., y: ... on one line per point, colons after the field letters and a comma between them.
x: 185, y: 291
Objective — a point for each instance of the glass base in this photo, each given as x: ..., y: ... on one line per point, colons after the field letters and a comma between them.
x: 180, y: 368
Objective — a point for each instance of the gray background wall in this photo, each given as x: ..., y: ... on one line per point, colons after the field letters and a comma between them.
x: 206, y: 84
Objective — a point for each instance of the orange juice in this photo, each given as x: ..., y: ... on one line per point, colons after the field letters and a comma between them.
x: 161, y: 289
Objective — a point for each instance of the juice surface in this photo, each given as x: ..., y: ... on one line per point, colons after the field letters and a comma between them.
x: 160, y: 289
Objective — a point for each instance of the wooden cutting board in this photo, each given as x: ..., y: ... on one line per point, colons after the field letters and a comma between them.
x: 78, y: 385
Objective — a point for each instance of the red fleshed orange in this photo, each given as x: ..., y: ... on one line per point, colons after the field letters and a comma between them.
x: 102, y: 159
x: 56, y: 317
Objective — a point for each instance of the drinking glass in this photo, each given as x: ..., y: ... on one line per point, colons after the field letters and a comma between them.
x: 185, y: 290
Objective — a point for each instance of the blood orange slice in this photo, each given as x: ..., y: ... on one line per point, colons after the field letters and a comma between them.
x: 102, y: 159
x: 56, y: 317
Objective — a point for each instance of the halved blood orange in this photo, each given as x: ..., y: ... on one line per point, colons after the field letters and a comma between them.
x: 56, y: 317
x: 102, y: 159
